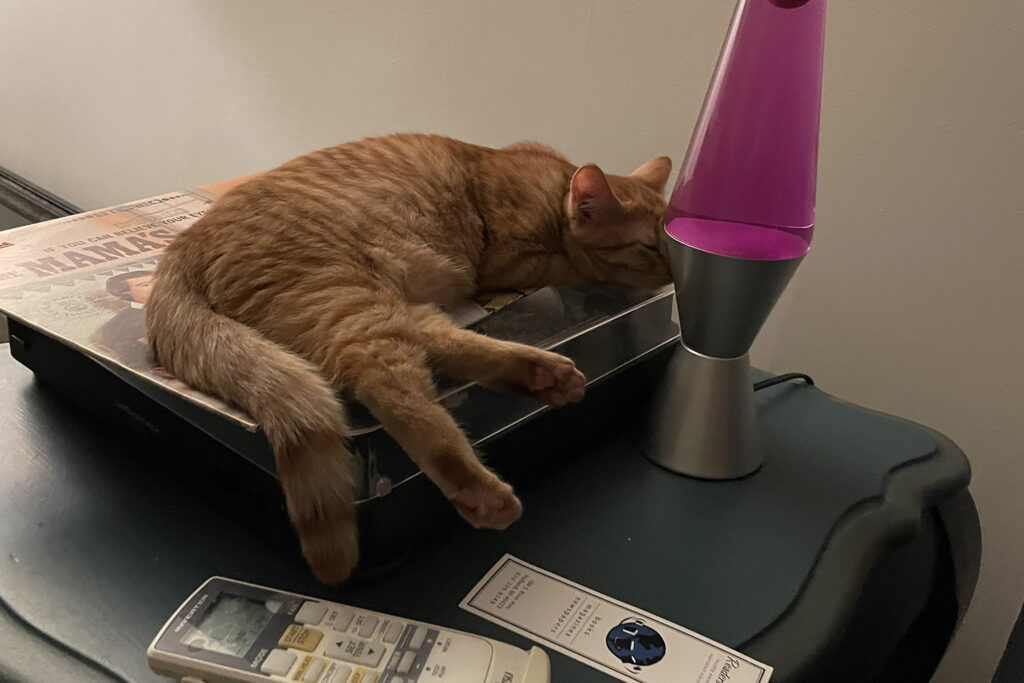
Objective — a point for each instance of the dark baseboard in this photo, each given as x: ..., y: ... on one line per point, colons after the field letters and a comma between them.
x: 31, y: 201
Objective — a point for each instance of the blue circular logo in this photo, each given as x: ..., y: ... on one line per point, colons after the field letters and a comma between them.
x: 634, y: 642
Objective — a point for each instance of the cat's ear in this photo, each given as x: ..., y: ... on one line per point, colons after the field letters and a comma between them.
x: 592, y: 196
x: 654, y: 173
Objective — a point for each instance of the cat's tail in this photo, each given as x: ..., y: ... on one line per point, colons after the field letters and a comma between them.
x: 286, y: 395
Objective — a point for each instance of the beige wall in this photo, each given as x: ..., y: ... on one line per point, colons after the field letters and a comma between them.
x: 907, y: 303
x: 910, y: 300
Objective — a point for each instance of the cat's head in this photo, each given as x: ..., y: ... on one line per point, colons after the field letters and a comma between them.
x: 616, y: 225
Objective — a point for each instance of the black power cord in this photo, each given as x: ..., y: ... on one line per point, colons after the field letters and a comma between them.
x: 779, y: 379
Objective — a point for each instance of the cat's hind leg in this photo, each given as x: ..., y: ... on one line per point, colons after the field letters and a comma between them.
x: 293, y: 403
x: 374, y: 355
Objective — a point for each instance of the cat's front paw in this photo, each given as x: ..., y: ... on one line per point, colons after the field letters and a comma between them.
x: 554, y: 379
x: 489, y: 503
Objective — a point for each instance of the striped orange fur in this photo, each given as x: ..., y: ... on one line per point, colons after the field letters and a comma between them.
x: 331, y: 273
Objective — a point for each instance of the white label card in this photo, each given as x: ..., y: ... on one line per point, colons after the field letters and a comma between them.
x: 610, y: 636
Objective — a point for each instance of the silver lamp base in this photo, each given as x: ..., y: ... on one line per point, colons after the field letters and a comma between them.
x: 702, y: 421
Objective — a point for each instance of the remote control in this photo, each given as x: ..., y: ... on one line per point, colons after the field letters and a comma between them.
x: 230, y: 631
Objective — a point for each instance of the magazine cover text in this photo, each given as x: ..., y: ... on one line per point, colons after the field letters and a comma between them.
x: 85, y: 279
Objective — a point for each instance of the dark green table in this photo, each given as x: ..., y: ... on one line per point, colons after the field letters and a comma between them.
x: 850, y: 555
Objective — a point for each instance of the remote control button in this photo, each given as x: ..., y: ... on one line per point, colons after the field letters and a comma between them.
x: 364, y: 676
x: 368, y: 627
x: 303, y: 667
x: 356, y: 651
x: 337, y: 673
x: 394, y: 630
x: 278, y: 662
x: 397, y: 679
x: 405, y: 664
x: 316, y: 667
x: 301, y: 638
x: 344, y: 619
x: 417, y: 637
x: 311, y: 613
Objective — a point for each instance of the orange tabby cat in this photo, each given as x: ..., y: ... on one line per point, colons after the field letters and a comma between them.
x: 330, y: 273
